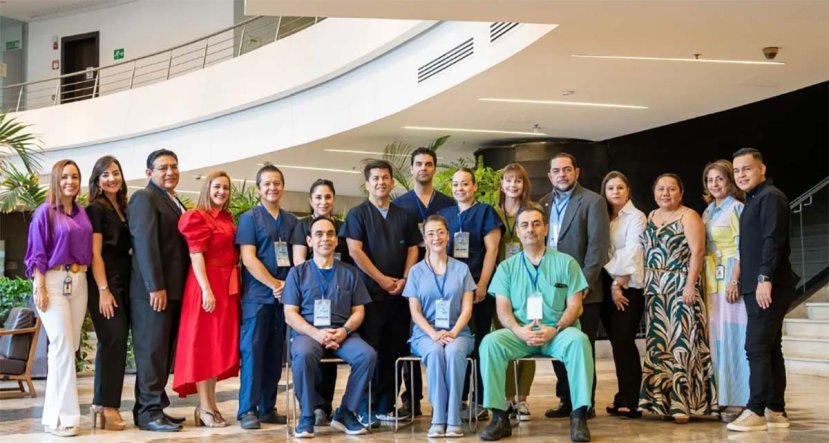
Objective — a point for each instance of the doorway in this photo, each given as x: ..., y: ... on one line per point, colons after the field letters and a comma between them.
x: 79, y: 53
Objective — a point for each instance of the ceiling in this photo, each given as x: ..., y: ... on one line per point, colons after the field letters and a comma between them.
x: 671, y: 91
x: 34, y: 10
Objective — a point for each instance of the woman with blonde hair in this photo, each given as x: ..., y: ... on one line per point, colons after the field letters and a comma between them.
x: 207, y: 349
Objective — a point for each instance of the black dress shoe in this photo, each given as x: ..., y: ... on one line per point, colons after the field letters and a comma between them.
x: 578, y: 429
x: 249, y: 420
x: 273, y: 418
x: 160, y: 424
x: 497, y: 429
x: 560, y: 411
x: 176, y: 420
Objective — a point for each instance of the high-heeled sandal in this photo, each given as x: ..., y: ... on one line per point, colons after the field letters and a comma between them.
x: 207, y: 419
x: 106, y: 418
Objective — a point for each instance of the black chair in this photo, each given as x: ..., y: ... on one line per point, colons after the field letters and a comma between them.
x: 18, y: 341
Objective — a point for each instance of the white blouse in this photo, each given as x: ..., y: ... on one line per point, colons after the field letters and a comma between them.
x: 626, y: 254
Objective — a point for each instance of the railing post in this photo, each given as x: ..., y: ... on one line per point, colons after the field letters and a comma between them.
x: 316, y: 19
x: 57, y: 93
x: 95, y: 86
x: 169, y: 65
x: 278, y: 25
x: 241, y: 41
x: 132, y: 75
x: 802, y: 250
x: 204, y: 56
x: 19, y: 97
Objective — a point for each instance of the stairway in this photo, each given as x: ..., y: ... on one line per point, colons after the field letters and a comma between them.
x: 806, y: 336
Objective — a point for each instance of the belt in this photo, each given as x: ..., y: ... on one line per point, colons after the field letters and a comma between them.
x: 73, y: 268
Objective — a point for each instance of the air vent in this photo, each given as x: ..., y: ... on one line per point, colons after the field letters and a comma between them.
x: 499, y: 29
x: 445, y: 60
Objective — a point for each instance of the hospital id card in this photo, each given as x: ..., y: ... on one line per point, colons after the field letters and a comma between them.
x: 535, y: 307
x: 511, y: 249
x: 282, y: 258
x: 719, y: 272
x: 322, y: 313
x: 442, y: 314
x: 461, y: 245
x: 422, y: 243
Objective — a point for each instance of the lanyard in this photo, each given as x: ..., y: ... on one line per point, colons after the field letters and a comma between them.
x: 462, y: 215
x: 271, y: 226
x: 441, y: 286
x: 507, y: 225
x: 424, y: 210
x: 564, y: 201
x: 537, y: 271
x: 323, y: 286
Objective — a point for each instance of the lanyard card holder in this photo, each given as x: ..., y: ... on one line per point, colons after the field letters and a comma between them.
x: 512, y: 248
x: 535, y: 306
x: 442, y: 314
x: 281, y: 249
x: 67, y: 285
x: 322, y: 313
x: 461, y: 245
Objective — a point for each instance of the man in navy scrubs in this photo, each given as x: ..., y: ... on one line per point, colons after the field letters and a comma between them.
x: 422, y: 201
x: 382, y: 240
x: 324, y: 303
x: 263, y: 237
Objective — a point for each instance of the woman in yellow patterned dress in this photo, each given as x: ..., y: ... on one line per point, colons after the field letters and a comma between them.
x: 677, y: 377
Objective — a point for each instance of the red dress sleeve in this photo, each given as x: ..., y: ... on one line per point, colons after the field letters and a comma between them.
x: 196, y: 229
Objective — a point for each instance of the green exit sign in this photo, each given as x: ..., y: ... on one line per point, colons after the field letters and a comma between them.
x: 118, y: 54
x: 11, y: 45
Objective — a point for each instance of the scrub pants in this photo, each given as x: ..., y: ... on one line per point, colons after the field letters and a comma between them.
x: 445, y: 374
x: 261, y: 343
x: 305, y: 357
x: 569, y: 346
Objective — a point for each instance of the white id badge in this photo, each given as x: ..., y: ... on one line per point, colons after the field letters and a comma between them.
x: 461, y: 245
x: 442, y: 314
x: 322, y: 313
x: 535, y: 307
x: 422, y: 243
x: 281, y: 249
x: 512, y: 248
x: 338, y: 256
x: 719, y: 272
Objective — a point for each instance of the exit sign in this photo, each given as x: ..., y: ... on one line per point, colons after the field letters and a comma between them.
x: 11, y: 45
x: 118, y: 54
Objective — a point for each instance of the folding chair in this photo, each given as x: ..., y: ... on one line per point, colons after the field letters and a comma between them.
x: 515, y: 362
x: 473, y: 383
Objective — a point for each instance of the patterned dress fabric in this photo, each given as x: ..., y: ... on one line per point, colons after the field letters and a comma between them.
x: 678, y: 376
x: 727, y: 320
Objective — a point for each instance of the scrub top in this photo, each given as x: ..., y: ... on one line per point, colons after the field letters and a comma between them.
x: 412, y: 204
x: 560, y: 279
x: 478, y: 221
x: 259, y: 229
x: 386, y: 241
x: 344, y: 289
x: 303, y: 229
x: 422, y: 285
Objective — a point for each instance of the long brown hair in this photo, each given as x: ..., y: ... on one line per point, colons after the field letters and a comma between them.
x: 54, y: 194
x: 726, y: 168
x: 519, y: 171
x: 204, y: 204
x: 95, y: 190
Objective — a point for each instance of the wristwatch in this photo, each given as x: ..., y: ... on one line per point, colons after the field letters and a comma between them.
x: 347, y: 331
x: 734, y: 282
x: 763, y: 278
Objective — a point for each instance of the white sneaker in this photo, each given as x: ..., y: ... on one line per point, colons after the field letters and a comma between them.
x: 436, y: 431
x: 453, y: 431
x: 748, y: 421
x: 776, y: 419
x: 523, y: 411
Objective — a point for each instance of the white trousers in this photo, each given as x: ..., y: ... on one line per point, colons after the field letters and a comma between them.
x: 63, y: 319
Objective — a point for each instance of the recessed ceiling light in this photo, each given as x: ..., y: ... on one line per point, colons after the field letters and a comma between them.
x: 313, y: 168
x: 560, y: 102
x: 240, y: 180
x: 678, y: 59
x: 474, y: 131
x: 379, y: 154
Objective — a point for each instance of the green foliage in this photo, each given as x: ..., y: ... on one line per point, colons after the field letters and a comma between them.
x: 16, y: 140
x: 20, y: 190
x: 242, y: 198
x: 489, y: 180
x: 13, y: 293
x: 399, y: 154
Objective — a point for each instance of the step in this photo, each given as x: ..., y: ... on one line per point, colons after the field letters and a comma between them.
x: 807, y: 366
x: 806, y: 328
x: 798, y: 347
x: 818, y: 311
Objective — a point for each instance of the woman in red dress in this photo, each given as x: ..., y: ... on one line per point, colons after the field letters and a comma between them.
x: 207, y: 349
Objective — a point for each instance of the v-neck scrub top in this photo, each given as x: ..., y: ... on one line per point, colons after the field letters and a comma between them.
x: 478, y: 221
x: 421, y: 285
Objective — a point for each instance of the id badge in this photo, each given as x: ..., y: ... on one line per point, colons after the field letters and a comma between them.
x: 512, y: 248
x: 322, y: 313
x: 281, y: 249
x: 535, y: 307
x: 422, y: 243
x: 67, y: 285
x: 553, y: 243
x: 338, y: 256
x: 719, y: 271
x: 461, y: 245
x: 442, y: 314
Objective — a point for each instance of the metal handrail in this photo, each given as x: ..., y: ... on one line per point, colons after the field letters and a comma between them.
x: 252, y: 34
x: 795, y: 204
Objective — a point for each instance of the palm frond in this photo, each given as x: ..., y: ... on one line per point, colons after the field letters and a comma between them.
x: 20, y: 190
x: 15, y: 137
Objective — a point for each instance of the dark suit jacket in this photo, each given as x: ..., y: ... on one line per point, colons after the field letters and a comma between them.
x: 585, y: 235
x: 160, y: 257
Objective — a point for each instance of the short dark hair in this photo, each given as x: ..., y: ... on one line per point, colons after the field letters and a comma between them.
x: 318, y: 219
x: 670, y: 175
x: 531, y: 208
x: 424, y: 151
x: 159, y: 153
x: 268, y: 168
x: 563, y: 154
x: 322, y: 182
x: 755, y: 154
x: 377, y: 164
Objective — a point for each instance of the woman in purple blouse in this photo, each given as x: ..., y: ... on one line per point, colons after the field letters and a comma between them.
x: 60, y: 249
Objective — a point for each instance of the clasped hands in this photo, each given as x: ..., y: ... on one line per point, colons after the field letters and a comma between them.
x: 394, y: 286
x: 443, y: 337
x: 330, y: 338
x: 535, y: 334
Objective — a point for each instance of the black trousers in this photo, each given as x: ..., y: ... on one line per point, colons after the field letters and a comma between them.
x: 386, y: 328
x: 111, y: 356
x: 764, y: 332
x: 154, y: 341
x: 481, y: 323
x: 621, y: 328
x: 590, y: 326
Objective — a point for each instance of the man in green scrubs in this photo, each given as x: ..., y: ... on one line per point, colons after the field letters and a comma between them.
x: 538, y: 296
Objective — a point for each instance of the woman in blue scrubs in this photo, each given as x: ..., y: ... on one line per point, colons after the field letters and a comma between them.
x: 440, y: 290
x: 474, y: 237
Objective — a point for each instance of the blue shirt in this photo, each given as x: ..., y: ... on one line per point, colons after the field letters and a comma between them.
x: 478, y: 221
x: 345, y: 289
x: 259, y: 229
x: 412, y: 204
x: 559, y: 202
x: 422, y: 286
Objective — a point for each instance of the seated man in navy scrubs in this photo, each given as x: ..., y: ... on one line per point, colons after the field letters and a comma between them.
x: 324, y: 303
x: 382, y: 240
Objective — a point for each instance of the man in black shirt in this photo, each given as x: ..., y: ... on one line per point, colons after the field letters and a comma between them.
x: 767, y: 284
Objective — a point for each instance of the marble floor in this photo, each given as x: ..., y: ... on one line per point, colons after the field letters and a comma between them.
x: 807, y: 397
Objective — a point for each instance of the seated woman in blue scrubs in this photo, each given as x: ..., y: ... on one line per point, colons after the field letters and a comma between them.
x: 474, y: 237
x: 440, y: 291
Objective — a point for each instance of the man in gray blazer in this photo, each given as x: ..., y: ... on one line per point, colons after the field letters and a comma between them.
x: 580, y: 227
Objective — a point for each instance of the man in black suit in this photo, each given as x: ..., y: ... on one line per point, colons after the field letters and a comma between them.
x: 159, y: 267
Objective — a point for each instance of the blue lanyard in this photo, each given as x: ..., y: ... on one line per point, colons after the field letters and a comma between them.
x: 441, y: 287
x: 561, y: 209
x: 424, y: 210
x: 462, y: 214
x: 537, y: 271
x: 323, y: 286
